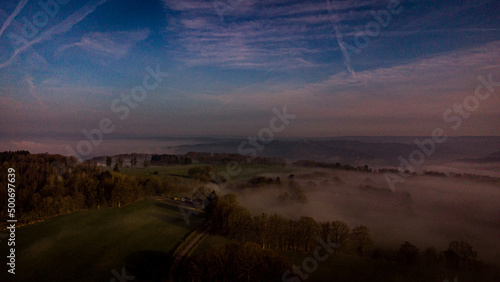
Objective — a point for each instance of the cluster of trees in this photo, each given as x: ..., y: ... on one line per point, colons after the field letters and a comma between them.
x: 120, y: 160
x: 470, y: 176
x: 459, y: 255
x: 309, y: 163
x: 134, y: 159
x: 276, y: 232
x: 119, y: 164
x: 216, y: 158
x: 235, y: 262
x: 280, y: 233
x: 133, y: 162
x: 48, y: 185
x: 294, y: 190
x: 200, y: 173
x: 109, y: 161
x: 170, y: 160
x: 268, y: 161
x: 434, y: 173
x: 250, y: 262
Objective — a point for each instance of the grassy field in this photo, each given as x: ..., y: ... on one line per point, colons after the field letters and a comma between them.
x: 87, y: 246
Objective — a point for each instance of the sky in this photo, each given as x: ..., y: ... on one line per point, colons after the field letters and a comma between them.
x: 219, y: 68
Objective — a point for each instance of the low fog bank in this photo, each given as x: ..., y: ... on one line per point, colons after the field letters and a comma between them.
x: 425, y: 210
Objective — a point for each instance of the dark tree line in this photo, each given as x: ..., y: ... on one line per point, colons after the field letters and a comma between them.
x: 309, y: 163
x: 48, y: 185
x: 170, y: 160
x: 275, y: 232
x: 281, y: 233
x: 216, y: 158
x: 234, y: 262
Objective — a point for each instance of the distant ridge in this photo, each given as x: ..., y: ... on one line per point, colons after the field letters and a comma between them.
x: 492, y: 158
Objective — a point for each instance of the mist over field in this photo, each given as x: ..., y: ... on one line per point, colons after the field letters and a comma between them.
x: 232, y: 140
x: 427, y: 211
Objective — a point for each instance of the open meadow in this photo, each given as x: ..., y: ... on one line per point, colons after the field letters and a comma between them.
x: 89, y: 245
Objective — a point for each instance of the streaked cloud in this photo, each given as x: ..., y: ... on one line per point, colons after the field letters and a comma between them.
x: 256, y: 34
x: 58, y: 29
x: 112, y: 44
x: 424, y: 88
x: 227, y: 75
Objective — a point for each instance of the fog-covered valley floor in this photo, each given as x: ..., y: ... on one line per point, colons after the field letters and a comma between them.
x: 425, y: 210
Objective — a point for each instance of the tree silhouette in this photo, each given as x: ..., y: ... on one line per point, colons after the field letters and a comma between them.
x: 408, y: 252
x: 460, y: 254
x: 339, y: 234
x: 360, y: 239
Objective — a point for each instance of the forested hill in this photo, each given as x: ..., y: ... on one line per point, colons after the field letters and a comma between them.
x: 48, y: 185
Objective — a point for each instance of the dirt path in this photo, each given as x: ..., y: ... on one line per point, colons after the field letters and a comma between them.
x: 181, y: 254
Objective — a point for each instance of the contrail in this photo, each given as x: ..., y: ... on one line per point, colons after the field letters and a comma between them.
x: 18, y: 9
x: 347, y: 58
x: 63, y: 27
x: 338, y: 36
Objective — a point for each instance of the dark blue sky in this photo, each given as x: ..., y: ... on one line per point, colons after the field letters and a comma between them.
x: 230, y: 63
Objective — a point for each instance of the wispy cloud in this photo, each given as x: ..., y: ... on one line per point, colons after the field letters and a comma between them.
x: 422, y: 87
x: 249, y: 44
x: 261, y: 34
x: 435, y: 68
x: 256, y: 34
x: 11, y: 17
x: 61, y: 28
x: 112, y: 44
